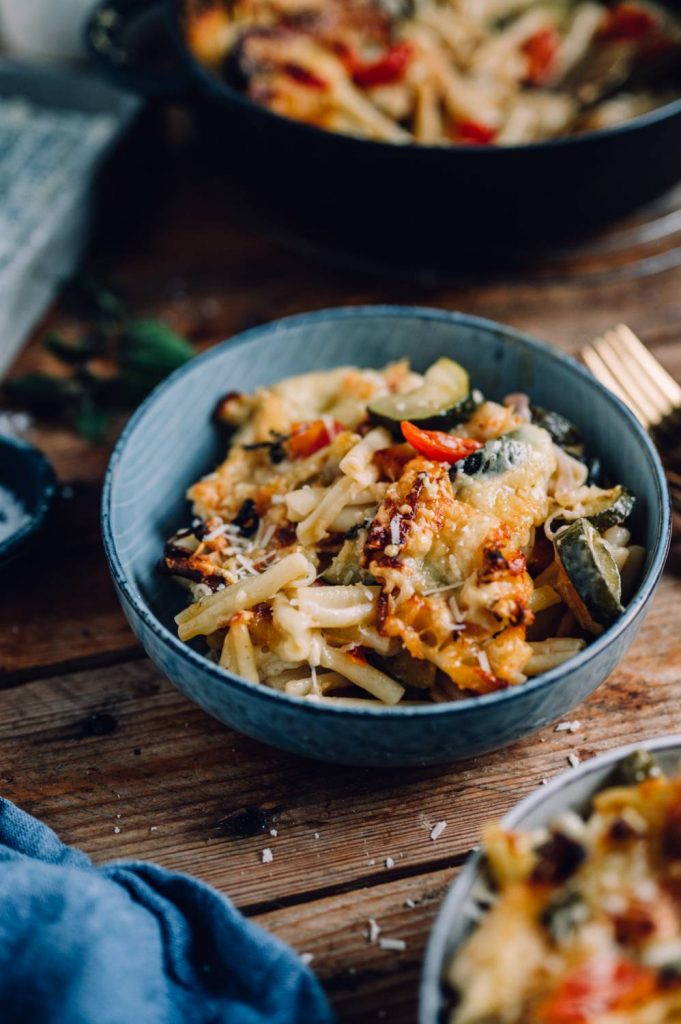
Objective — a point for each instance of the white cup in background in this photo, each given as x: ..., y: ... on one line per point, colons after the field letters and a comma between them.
x: 43, y: 29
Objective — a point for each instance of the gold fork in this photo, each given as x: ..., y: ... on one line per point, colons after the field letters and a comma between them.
x: 624, y: 365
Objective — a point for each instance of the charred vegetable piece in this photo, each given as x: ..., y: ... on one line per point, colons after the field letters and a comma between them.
x: 635, y: 768
x: 558, y: 859
x: 495, y: 457
x: 591, y: 584
x: 346, y: 568
x: 608, y: 509
x: 443, y: 400
x: 563, y: 914
x: 438, y: 446
x: 562, y: 431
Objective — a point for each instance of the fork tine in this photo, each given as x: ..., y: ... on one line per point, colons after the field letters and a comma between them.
x: 636, y: 381
x: 605, y: 367
x: 656, y: 372
x: 601, y: 372
x: 622, y: 368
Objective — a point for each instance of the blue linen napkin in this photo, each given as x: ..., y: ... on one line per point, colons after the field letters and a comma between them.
x: 132, y: 943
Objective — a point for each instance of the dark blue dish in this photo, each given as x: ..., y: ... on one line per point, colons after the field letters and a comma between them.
x: 28, y: 478
x: 381, y: 204
x: 170, y: 442
x: 570, y: 791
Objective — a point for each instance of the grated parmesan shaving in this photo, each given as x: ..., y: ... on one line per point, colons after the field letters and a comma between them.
x: 573, y: 759
x: 437, y: 830
x: 483, y: 661
x: 389, y: 862
x: 267, y: 856
x: 374, y: 930
x: 568, y: 726
x: 396, y: 945
x: 395, y: 530
x: 454, y: 606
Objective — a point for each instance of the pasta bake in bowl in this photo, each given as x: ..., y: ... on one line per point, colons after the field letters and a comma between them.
x: 430, y: 535
x: 570, y: 915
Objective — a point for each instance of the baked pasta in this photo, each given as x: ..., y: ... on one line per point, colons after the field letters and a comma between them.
x: 386, y: 535
x: 437, y: 72
x: 581, y: 923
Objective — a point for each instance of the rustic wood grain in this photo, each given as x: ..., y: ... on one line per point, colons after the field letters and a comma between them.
x: 95, y: 742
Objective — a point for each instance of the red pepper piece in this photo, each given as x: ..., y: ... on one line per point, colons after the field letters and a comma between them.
x: 475, y: 133
x: 540, y: 50
x: 596, y: 988
x: 308, y: 438
x: 628, y: 21
x: 436, y: 445
x: 387, y: 69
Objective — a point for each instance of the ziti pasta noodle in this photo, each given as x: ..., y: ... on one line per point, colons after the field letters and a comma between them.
x: 390, y: 536
x: 436, y: 72
x: 580, y: 922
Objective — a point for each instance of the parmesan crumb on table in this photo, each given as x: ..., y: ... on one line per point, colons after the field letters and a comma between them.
x: 437, y: 830
x: 267, y: 856
x: 397, y: 945
x: 316, y: 835
x: 410, y: 904
x: 153, y: 828
x: 274, y: 833
x: 543, y: 782
x: 374, y: 930
x: 307, y: 958
x: 389, y: 862
x: 573, y: 759
x: 568, y: 726
x: 116, y: 829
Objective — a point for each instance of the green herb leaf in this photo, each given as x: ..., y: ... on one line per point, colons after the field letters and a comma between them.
x: 152, y: 349
x: 91, y: 422
x: 68, y: 351
x: 40, y: 392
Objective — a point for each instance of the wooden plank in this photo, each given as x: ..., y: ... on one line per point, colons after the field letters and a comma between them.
x: 58, y: 608
x: 365, y: 983
x: 211, y: 796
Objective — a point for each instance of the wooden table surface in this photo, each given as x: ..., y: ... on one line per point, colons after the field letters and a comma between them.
x: 99, y: 745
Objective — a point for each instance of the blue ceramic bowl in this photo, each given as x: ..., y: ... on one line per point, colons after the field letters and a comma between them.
x: 170, y: 442
x: 30, y: 480
x: 573, y: 790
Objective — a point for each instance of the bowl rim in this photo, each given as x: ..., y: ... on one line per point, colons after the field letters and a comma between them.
x: 42, y: 468
x: 431, y: 971
x: 193, y: 659
x: 218, y: 86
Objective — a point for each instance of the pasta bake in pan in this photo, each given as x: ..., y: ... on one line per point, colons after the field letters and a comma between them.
x: 390, y: 536
x: 579, y: 922
x: 436, y: 72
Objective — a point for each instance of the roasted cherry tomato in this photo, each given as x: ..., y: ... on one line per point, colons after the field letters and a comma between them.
x: 628, y: 21
x: 540, y: 50
x: 597, y: 988
x: 308, y: 438
x: 387, y: 69
x: 474, y: 133
x: 436, y: 445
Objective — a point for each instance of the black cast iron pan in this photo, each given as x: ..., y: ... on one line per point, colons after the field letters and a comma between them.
x: 409, y: 205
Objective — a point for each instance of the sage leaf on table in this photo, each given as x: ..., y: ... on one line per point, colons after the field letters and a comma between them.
x: 112, y: 366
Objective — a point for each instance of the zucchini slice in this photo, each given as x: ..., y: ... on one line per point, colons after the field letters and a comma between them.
x: 590, y: 582
x: 609, y: 509
x: 562, y: 431
x: 443, y: 400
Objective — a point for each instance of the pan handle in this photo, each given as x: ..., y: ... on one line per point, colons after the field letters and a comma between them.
x: 133, y: 43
